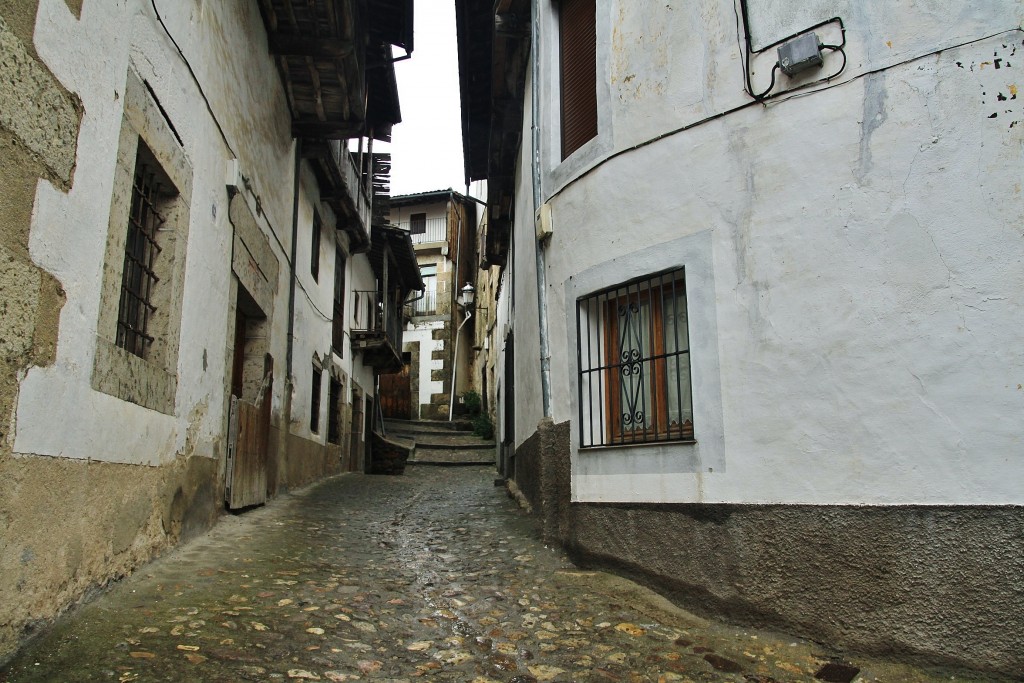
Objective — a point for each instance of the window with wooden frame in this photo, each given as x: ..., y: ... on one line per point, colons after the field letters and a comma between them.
x: 314, y: 259
x: 577, y: 20
x: 338, y: 324
x: 633, y: 346
x: 314, y: 399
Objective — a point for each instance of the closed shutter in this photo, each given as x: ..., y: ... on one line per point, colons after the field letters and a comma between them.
x: 578, y: 29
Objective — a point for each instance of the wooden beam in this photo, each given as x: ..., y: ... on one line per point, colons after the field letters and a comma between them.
x: 308, y: 46
x: 318, y: 91
x: 327, y: 129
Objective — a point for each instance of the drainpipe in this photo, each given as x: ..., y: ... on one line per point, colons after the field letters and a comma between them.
x: 289, y: 383
x: 458, y: 331
x: 542, y: 284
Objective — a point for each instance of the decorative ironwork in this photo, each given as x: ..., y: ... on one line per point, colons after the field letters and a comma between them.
x: 633, y: 358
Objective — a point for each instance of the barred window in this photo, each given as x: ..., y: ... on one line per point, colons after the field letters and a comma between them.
x: 151, y: 192
x: 634, y: 360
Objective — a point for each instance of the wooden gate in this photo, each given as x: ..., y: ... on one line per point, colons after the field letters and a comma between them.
x: 248, y: 436
x: 396, y: 395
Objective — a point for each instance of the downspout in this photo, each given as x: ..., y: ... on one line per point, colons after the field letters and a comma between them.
x: 542, y: 284
x: 289, y: 384
x: 458, y: 331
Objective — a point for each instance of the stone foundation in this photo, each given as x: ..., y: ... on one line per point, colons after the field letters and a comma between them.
x: 936, y: 585
x: 68, y: 527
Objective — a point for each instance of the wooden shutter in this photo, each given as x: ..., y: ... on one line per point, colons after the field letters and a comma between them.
x: 578, y: 30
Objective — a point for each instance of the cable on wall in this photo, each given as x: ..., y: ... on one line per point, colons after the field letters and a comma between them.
x: 789, y: 96
x: 246, y: 181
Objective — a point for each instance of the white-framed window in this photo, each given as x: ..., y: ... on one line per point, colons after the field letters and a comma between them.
x: 634, y: 363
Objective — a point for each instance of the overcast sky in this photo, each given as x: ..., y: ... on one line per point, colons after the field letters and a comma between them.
x: 426, y: 147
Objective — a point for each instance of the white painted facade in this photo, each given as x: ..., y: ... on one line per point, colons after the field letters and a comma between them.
x: 853, y: 250
x: 92, y: 57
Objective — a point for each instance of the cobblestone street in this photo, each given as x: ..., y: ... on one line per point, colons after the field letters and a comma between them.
x: 434, y: 574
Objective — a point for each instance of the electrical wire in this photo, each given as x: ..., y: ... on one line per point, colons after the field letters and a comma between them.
x: 765, y: 103
x: 247, y: 183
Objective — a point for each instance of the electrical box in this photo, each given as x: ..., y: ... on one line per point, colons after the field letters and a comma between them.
x: 233, y: 176
x: 800, y: 54
x: 542, y: 222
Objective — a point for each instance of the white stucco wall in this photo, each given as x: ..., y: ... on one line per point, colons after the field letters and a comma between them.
x: 422, y: 334
x: 91, y: 57
x: 863, y: 245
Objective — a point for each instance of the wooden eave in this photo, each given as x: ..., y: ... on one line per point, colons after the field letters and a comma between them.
x: 323, y: 50
x: 501, y: 83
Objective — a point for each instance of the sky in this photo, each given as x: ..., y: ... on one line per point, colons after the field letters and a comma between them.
x: 426, y: 147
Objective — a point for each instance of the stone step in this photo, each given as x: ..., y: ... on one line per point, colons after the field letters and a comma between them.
x: 427, y: 426
x: 451, y: 456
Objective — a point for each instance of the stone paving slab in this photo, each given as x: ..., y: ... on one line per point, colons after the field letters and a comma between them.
x: 425, y: 455
x: 435, y: 575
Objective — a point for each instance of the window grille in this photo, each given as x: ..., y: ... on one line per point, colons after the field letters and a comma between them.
x: 634, y: 360
x: 142, y: 249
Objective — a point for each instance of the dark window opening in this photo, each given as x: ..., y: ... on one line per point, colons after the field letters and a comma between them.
x: 338, y: 324
x: 314, y: 407
x: 333, y: 406
x: 314, y: 261
x: 417, y: 223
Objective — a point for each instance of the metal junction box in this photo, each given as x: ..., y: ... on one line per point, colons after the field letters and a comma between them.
x: 800, y: 54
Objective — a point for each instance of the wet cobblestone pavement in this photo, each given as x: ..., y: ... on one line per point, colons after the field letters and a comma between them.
x: 435, y: 575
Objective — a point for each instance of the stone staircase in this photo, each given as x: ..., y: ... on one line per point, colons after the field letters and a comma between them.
x: 439, y: 442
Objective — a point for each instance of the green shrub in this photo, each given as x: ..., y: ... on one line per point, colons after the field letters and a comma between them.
x: 471, y: 400
x: 483, y: 427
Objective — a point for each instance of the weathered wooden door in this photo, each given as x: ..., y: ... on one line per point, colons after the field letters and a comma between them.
x: 396, y: 394
x: 247, y: 452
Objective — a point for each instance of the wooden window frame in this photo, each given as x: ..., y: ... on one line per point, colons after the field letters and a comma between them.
x: 314, y: 258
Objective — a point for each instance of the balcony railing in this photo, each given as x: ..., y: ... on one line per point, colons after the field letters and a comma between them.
x: 435, y: 230
x: 373, y: 320
x: 427, y: 305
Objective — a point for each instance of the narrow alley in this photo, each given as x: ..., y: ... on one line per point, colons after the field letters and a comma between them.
x: 434, y: 574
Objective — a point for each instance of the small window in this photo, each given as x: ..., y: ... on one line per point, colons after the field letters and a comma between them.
x: 577, y: 21
x: 338, y: 324
x: 314, y: 260
x: 314, y: 402
x: 417, y: 224
x: 151, y: 192
x: 634, y: 383
x: 333, y: 406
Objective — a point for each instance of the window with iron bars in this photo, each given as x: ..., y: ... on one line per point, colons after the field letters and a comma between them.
x: 634, y: 363
x: 139, y: 280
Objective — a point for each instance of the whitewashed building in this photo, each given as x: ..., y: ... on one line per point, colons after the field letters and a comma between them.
x: 766, y: 267
x: 183, y: 237
x: 439, y: 336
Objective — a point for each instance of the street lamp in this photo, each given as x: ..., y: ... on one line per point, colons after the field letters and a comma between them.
x: 466, y: 297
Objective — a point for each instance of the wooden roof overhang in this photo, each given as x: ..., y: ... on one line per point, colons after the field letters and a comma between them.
x: 335, y: 59
x: 398, y: 243
x: 494, y: 51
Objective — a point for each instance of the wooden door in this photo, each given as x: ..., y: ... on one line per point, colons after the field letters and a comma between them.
x: 247, y: 451
x: 396, y: 394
